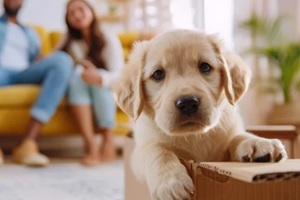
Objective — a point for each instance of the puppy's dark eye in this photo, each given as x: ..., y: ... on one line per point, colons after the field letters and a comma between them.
x: 158, y: 75
x: 205, y: 68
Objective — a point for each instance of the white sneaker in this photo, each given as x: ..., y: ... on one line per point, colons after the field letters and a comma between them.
x: 28, y: 154
x: 35, y: 160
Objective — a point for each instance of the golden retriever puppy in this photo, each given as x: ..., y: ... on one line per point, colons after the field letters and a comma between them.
x: 181, y: 88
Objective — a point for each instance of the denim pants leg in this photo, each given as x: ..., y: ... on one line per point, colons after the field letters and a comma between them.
x: 78, y: 92
x: 101, y: 100
x: 53, y: 74
x: 7, y: 76
x: 104, y: 106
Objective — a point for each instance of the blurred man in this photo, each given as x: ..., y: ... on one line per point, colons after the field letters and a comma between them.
x: 21, y: 63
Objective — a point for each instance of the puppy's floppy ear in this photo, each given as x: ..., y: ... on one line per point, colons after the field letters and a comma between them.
x: 129, y: 89
x: 236, y: 77
x: 235, y: 73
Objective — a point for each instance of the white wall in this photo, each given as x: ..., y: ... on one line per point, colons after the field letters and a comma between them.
x: 218, y: 18
x: 49, y: 13
x: 215, y: 17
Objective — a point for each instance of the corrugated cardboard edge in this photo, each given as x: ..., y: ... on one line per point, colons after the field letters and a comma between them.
x: 134, y: 189
x: 252, y: 172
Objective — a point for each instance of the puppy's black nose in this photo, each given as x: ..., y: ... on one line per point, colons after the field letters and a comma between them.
x: 188, y: 105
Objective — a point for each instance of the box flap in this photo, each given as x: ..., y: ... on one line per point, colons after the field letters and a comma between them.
x: 255, y: 172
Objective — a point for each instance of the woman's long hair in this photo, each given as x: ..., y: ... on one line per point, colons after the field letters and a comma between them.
x: 97, y: 41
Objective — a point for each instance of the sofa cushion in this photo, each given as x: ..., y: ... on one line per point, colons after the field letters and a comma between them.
x: 55, y: 38
x: 44, y: 39
x: 15, y: 121
x: 128, y: 38
x: 20, y: 96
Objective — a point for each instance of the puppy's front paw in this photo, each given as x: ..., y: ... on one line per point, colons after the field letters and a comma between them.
x: 175, y: 185
x: 261, y: 150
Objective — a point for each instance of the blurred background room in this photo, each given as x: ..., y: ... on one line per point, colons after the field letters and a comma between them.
x: 264, y: 33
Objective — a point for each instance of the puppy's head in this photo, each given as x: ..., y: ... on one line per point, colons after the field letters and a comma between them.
x: 181, y: 80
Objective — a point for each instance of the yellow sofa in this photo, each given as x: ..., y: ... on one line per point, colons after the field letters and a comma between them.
x: 15, y: 101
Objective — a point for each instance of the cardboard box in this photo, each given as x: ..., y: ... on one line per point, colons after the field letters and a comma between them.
x: 246, y: 181
x: 228, y: 180
x: 134, y: 190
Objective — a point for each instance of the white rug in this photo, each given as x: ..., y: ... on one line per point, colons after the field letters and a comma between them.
x: 62, y: 181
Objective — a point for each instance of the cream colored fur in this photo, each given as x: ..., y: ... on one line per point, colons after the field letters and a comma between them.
x: 162, y: 134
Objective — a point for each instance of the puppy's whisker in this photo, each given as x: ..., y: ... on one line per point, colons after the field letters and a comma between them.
x: 222, y: 128
x: 186, y: 139
x: 220, y: 125
x: 152, y: 115
x: 199, y: 136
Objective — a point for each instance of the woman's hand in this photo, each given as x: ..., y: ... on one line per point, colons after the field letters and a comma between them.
x: 90, y: 74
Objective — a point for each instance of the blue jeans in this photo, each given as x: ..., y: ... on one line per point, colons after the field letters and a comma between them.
x: 101, y: 99
x: 52, y: 73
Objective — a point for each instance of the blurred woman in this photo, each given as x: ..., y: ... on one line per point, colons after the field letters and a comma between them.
x: 98, y: 57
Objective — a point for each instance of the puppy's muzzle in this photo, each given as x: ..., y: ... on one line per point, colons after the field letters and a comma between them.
x: 188, y: 105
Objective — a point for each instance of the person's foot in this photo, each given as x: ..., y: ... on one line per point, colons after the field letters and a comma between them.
x: 27, y: 153
x: 108, y: 150
x: 90, y: 159
x: 108, y: 153
x: 1, y: 157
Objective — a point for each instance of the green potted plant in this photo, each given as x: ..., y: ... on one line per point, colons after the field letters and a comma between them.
x: 287, y: 59
x: 284, y: 56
